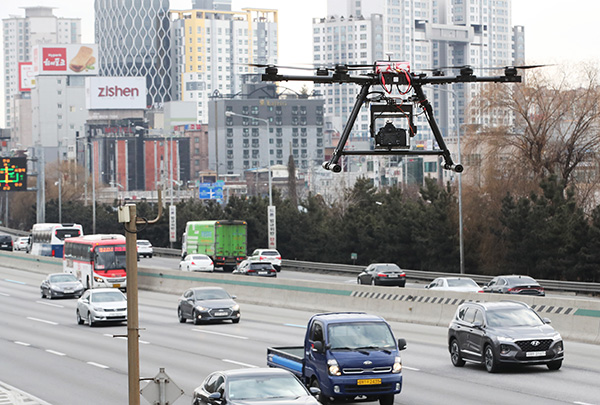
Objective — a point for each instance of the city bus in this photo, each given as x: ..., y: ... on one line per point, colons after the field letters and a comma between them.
x: 48, y: 239
x: 97, y: 260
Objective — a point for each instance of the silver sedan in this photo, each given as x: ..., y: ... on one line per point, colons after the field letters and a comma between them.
x: 101, y: 305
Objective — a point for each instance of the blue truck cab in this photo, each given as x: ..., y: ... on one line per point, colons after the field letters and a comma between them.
x: 348, y: 356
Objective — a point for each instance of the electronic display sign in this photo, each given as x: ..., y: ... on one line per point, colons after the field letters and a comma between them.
x: 13, y: 174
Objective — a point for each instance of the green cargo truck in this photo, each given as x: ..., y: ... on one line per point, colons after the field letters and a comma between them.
x: 224, y: 241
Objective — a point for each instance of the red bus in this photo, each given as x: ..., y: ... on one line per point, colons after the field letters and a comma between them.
x: 97, y: 260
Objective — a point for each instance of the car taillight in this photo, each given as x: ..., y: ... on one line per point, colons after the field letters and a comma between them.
x: 193, y: 263
x: 480, y: 291
x: 251, y: 271
x: 53, y: 253
x: 381, y: 275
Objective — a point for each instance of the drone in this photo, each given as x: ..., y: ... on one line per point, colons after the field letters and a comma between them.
x: 397, y: 97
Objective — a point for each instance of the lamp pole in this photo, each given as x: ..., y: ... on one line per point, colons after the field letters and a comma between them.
x: 271, y: 215
x: 460, y: 211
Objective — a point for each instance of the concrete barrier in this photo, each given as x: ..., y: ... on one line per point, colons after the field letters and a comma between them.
x: 576, y: 319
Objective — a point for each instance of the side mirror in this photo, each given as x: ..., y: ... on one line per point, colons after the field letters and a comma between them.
x: 314, y: 391
x: 428, y: 285
x: 547, y: 320
x: 401, y: 344
x: 233, y: 297
x: 478, y: 325
x: 215, y: 397
x: 317, y: 346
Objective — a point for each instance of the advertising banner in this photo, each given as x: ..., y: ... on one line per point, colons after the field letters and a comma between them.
x: 26, y: 78
x: 110, y: 93
x: 66, y: 59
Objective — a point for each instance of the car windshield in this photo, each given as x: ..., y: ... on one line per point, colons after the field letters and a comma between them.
x: 269, y: 253
x: 261, y: 266
x: 521, y: 281
x: 387, y: 267
x: 501, y: 318
x: 199, y: 257
x: 107, y: 296
x: 362, y: 335
x: 211, y: 294
x: 143, y: 242
x: 62, y: 278
x: 110, y: 257
x: 461, y: 282
x: 251, y: 388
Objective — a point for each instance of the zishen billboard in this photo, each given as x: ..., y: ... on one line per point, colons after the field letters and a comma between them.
x: 110, y: 93
x: 70, y: 59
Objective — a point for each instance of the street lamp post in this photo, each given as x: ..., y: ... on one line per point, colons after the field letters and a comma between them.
x: 271, y: 218
x: 460, y: 211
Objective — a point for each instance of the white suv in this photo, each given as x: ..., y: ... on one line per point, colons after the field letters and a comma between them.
x: 144, y: 248
x: 267, y: 255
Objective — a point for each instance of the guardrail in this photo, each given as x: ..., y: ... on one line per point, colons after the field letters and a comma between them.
x: 421, y: 275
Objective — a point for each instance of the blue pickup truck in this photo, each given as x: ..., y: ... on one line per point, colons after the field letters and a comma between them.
x: 349, y: 356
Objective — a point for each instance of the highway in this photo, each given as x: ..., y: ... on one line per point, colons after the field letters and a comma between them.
x: 46, y: 354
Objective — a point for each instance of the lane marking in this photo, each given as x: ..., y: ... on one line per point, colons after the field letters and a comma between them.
x: 294, y: 325
x: 42, y: 320
x: 49, y: 304
x: 411, y: 368
x: 14, y: 281
x: 582, y: 403
x: 239, y: 363
x: 91, y: 363
x: 55, y: 352
x: 5, y: 295
x: 220, y: 334
x: 125, y: 338
x: 22, y: 343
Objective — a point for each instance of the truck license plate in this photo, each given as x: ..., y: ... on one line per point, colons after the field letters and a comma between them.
x: 116, y: 285
x: 370, y: 381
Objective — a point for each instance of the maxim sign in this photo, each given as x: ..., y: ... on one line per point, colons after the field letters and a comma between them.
x: 115, y: 93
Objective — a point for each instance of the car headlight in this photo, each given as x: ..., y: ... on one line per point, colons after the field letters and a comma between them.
x: 505, y: 339
x: 98, y: 309
x: 236, y: 307
x: 200, y: 308
x: 333, y: 367
x: 556, y: 337
x: 397, y: 365
x: 55, y: 288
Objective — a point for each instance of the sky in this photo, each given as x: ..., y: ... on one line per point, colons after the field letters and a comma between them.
x: 556, y: 32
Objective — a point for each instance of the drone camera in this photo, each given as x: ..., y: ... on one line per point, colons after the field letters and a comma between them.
x: 398, y: 127
x: 389, y: 136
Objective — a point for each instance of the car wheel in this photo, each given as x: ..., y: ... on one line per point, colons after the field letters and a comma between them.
x: 373, y: 282
x: 358, y: 280
x: 90, y: 321
x: 180, y: 316
x: 554, y: 365
x: 150, y: 256
x: 455, y: 357
x: 491, y: 364
x: 237, y: 320
x: 79, y: 320
x: 320, y: 397
x: 386, y: 399
x: 42, y: 293
x: 195, y: 317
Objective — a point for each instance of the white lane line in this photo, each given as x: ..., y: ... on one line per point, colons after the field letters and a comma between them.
x: 294, y: 325
x: 5, y: 295
x: 14, y: 281
x: 125, y: 338
x: 55, y: 352
x: 582, y: 403
x: 22, y: 343
x: 220, y: 334
x: 91, y: 363
x: 411, y: 368
x: 239, y: 363
x: 42, y: 320
x: 49, y: 304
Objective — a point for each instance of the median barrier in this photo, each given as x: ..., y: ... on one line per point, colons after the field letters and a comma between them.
x: 576, y: 319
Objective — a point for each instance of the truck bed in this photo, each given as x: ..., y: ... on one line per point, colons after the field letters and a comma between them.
x: 290, y: 358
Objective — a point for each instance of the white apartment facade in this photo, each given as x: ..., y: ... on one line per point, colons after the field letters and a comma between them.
x: 19, y: 35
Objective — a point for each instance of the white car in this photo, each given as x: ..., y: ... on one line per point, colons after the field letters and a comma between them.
x: 101, y: 305
x: 461, y: 284
x: 267, y: 255
x: 196, y: 262
x: 21, y: 243
x: 144, y: 248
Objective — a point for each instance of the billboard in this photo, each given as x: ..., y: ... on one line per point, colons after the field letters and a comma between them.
x: 26, y: 78
x: 120, y: 93
x: 68, y: 59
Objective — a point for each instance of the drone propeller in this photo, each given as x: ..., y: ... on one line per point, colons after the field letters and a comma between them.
x: 269, y: 66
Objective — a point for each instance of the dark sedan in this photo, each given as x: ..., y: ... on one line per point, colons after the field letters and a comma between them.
x: 250, y: 268
x: 253, y: 386
x: 382, y: 274
x: 203, y: 304
x: 61, y: 285
x: 524, y: 285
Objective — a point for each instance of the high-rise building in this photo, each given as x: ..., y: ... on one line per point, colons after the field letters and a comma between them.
x: 213, y: 49
x: 133, y: 38
x: 20, y: 34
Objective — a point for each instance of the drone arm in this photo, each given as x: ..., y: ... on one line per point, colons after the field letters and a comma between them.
x: 333, y: 164
x: 448, y: 163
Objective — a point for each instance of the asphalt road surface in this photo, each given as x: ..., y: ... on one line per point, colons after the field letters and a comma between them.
x: 45, y: 353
